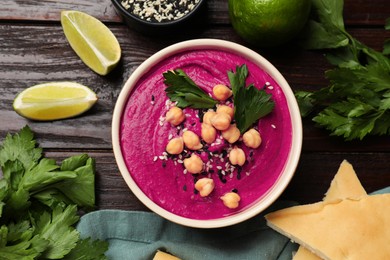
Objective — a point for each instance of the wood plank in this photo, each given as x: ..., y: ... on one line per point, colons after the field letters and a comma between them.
x: 316, y: 170
x: 357, y: 12
x: 40, y: 53
x: 48, y: 10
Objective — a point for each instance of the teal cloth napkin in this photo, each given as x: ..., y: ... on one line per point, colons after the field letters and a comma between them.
x: 138, y: 235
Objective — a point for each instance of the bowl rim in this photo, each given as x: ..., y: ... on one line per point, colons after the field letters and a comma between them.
x: 293, y: 157
x: 128, y: 14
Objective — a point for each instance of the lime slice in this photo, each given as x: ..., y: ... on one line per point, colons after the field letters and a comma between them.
x: 92, y: 41
x: 53, y: 101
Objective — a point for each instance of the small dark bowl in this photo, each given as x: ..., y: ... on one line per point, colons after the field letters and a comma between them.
x: 188, y: 21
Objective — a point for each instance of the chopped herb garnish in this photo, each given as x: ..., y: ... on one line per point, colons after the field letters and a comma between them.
x: 185, y: 92
x: 250, y: 103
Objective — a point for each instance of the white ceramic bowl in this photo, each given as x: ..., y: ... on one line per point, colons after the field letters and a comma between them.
x: 289, y: 165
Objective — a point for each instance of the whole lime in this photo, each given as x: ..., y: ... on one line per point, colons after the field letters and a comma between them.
x: 268, y: 23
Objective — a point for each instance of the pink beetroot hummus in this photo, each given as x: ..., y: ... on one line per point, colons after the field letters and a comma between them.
x: 144, y: 135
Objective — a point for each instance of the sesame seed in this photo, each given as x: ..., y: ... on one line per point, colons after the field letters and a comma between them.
x: 273, y: 126
x: 157, y: 11
x: 155, y: 158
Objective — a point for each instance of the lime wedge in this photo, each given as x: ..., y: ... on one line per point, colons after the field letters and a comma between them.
x: 92, y: 41
x: 53, y: 101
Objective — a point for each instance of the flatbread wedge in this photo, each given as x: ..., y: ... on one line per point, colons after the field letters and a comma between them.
x: 160, y: 255
x: 340, y: 229
x: 345, y: 184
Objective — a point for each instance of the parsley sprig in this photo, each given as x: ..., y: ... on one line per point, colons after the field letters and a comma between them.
x: 183, y: 90
x: 250, y: 103
x: 357, y: 101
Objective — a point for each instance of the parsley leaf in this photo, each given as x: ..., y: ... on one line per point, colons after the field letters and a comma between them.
x: 57, y: 228
x: 185, y: 92
x: 22, y: 147
x: 327, y: 29
x: 356, y: 103
x: 250, y: 103
x: 83, y: 251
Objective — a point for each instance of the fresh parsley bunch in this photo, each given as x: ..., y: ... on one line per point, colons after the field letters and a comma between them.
x: 39, y: 201
x: 357, y: 101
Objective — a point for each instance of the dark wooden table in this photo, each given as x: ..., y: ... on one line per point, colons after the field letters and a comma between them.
x: 33, y: 50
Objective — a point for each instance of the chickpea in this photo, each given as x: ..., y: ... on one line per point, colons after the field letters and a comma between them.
x: 175, y: 116
x: 237, y: 156
x: 175, y: 146
x: 222, y: 92
x: 191, y: 140
x: 205, y: 186
x: 232, y: 134
x: 252, y: 138
x: 194, y: 164
x: 231, y: 200
x: 208, y: 133
x: 208, y: 115
x: 221, y: 121
x: 226, y: 109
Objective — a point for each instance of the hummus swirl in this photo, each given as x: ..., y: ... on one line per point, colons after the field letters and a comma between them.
x: 144, y: 135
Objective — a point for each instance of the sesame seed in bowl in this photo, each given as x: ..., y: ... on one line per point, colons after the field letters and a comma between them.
x: 159, y: 16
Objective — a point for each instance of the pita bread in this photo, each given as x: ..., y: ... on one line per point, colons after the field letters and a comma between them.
x: 160, y: 255
x: 345, y: 184
x: 340, y: 229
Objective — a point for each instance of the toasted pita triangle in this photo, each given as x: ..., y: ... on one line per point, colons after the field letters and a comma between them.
x: 340, y: 229
x: 345, y: 184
